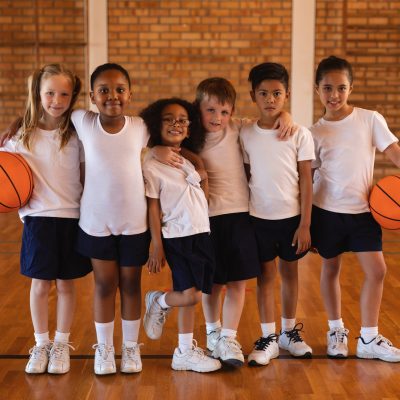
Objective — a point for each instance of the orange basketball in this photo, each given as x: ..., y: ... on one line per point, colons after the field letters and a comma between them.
x: 384, y: 202
x: 16, y: 182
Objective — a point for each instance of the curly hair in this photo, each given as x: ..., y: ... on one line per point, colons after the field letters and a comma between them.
x: 152, y: 118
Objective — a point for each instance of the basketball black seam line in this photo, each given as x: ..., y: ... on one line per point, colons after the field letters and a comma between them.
x: 29, y: 172
x: 384, y: 216
x: 12, y: 183
x: 388, y: 195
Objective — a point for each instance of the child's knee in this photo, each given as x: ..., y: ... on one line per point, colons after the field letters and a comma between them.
x: 40, y: 287
x: 192, y: 297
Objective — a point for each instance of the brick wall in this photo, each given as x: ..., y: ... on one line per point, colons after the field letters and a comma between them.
x: 33, y: 33
x: 170, y: 46
x: 367, y: 34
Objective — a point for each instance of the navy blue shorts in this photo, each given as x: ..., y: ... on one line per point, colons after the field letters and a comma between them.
x: 191, y: 259
x: 48, y: 249
x: 235, y: 247
x: 275, y: 237
x: 335, y: 233
x: 127, y: 250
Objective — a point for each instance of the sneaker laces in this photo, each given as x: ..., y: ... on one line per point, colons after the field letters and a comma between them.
x: 104, y: 349
x: 132, y: 352
x: 59, y: 348
x: 294, y: 334
x: 340, y: 334
x: 162, y: 315
x: 263, y: 342
x: 232, y: 343
x: 37, y: 352
x: 197, y: 350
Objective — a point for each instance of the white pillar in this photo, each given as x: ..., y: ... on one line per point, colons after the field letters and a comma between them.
x: 97, y: 36
x: 303, y: 42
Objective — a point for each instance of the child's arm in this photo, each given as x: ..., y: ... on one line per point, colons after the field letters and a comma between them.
x: 302, y: 235
x: 82, y: 173
x: 247, y: 171
x: 157, y: 255
x: 285, y: 125
x: 198, y: 164
x: 393, y: 153
x: 167, y: 155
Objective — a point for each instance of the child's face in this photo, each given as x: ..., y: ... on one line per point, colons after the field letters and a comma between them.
x: 334, y: 90
x: 55, y: 95
x: 214, y: 115
x: 111, y: 93
x: 270, y: 97
x: 174, y: 125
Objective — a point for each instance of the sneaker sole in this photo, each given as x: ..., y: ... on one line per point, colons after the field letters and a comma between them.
x: 337, y: 356
x: 369, y: 356
x: 254, y: 363
x: 131, y: 371
x: 305, y: 355
x: 148, y: 301
x: 232, y: 362
x: 105, y: 372
x: 55, y: 372
x: 36, y: 372
x: 182, y: 368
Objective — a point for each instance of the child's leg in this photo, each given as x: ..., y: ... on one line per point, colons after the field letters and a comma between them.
x: 330, y: 287
x: 131, y: 292
x: 188, y: 356
x: 39, y: 297
x: 59, y: 362
x: 66, y: 299
x: 289, y: 289
x: 131, y: 296
x: 39, y: 304
x: 265, y: 292
x: 228, y: 349
x: 374, y: 267
x: 212, y: 310
x: 290, y: 338
x: 106, y: 279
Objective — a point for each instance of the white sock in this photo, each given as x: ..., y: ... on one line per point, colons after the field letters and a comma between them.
x: 228, y: 333
x: 335, y: 323
x: 61, y: 337
x: 287, y: 324
x: 130, y: 330
x: 185, y: 341
x: 42, y: 339
x: 105, y: 332
x: 369, y: 333
x: 213, y: 326
x: 161, y: 301
x: 268, y: 328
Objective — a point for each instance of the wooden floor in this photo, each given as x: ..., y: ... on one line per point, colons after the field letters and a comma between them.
x: 284, y: 378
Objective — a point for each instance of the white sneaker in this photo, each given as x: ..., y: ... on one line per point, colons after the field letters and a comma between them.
x: 229, y: 351
x: 155, y: 316
x: 294, y: 344
x: 265, y: 349
x: 38, y: 360
x: 380, y: 348
x: 212, y: 339
x: 104, y: 359
x: 337, y: 343
x: 130, y: 359
x: 194, y: 360
x: 59, y: 358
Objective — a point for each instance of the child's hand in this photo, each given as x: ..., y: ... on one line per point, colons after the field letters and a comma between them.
x: 168, y: 155
x: 156, y: 260
x: 302, y: 238
x: 286, y: 126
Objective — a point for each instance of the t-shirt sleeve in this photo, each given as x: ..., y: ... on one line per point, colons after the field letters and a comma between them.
x: 81, y: 152
x: 77, y: 117
x: 382, y: 137
x: 151, y: 182
x: 305, y: 145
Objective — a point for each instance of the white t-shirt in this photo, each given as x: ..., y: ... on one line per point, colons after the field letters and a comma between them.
x: 345, y: 155
x: 223, y: 159
x: 183, y: 203
x: 113, y: 200
x: 56, y: 174
x: 274, y: 183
